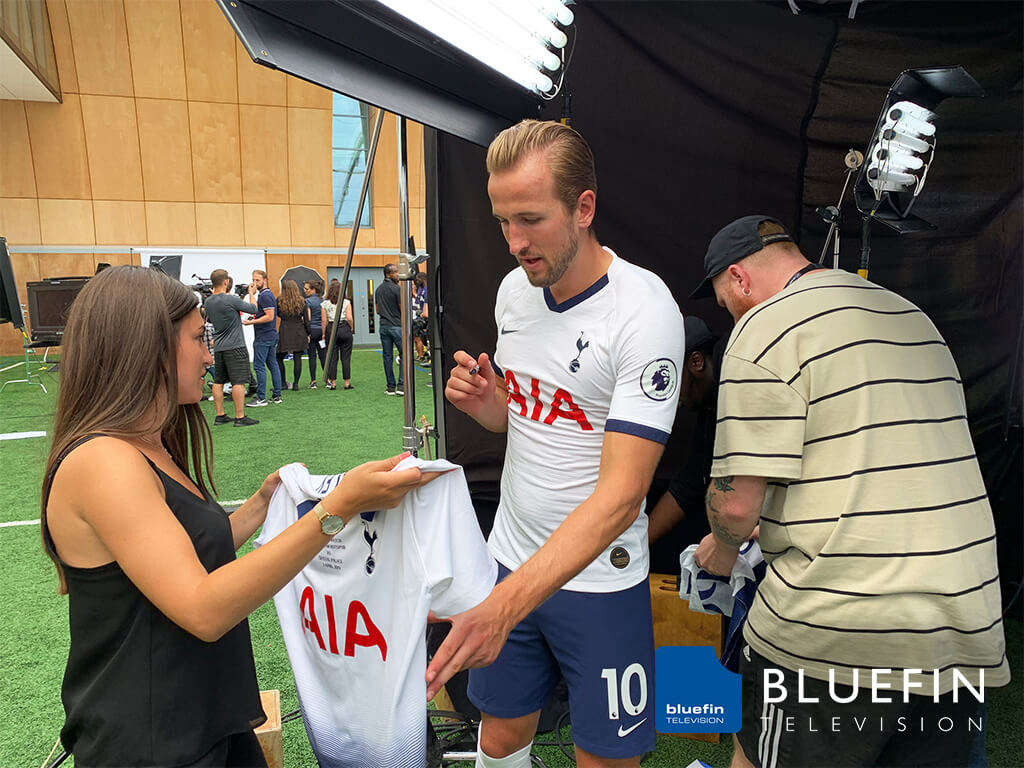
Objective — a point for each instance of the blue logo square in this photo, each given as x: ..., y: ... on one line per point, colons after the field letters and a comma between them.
x: 694, y: 693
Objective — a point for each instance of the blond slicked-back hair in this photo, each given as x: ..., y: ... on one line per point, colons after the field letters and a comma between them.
x: 568, y: 156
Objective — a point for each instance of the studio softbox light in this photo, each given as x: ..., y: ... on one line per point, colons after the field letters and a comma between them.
x: 373, y: 53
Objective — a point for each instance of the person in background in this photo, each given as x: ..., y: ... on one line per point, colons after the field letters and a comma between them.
x: 230, y: 357
x: 157, y: 599
x: 293, y: 332
x: 264, y: 345
x: 314, y: 292
x: 342, y: 335
x: 683, y: 503
x: 420, y: 315
x: 682, y: 506
x: 388, y: 299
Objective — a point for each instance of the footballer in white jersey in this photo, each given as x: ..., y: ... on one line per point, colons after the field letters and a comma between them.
x: 584, y: 381
x: 602, y: 361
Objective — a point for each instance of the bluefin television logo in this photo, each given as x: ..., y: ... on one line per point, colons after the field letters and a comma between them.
x: 694, y: 693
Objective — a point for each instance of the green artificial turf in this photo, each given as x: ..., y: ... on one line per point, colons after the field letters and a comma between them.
x: 327, y: 430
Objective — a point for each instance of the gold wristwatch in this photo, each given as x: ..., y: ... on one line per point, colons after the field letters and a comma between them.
x: 329, y: 524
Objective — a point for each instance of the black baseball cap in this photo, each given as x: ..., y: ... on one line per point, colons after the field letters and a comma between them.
x: 697, y: 333
x: 733, y: 242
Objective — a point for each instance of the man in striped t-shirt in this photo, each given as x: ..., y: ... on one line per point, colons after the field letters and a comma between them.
x: 842, y: 431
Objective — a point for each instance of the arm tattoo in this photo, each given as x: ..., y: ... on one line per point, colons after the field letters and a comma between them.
x: 724, y: 483
x: 715, y: 519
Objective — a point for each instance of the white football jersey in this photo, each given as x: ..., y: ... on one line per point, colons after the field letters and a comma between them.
x: 354, y: 619
x: 606, y: 360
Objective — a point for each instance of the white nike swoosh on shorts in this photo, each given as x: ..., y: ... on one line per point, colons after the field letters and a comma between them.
x: 623, y: 732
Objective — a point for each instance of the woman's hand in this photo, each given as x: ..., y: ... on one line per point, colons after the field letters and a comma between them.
x: 372, y: 486
x: 269, y: 486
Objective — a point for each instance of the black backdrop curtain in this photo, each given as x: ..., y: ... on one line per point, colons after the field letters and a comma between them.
x: 701, y: 112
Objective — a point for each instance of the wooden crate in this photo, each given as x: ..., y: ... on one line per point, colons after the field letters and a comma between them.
x: 676, y: 624
x: 269, y: 733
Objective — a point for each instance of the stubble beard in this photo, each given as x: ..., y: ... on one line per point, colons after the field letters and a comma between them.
x: 557, y: 265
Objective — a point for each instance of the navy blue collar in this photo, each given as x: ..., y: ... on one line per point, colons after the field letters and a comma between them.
x: 571, y: 302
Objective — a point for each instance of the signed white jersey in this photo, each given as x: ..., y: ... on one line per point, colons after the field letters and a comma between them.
x: 354, y: 619
x: 606, y: 360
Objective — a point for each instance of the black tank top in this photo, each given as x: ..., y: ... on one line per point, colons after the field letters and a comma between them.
x: 138, y: 689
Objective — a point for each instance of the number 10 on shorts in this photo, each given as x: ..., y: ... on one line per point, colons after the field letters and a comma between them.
x: 632, y: 696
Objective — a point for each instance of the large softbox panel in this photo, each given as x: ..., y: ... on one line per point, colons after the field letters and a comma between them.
x: 368, y: 52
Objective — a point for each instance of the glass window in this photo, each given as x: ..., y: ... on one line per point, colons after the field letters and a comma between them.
x: 349, y: 138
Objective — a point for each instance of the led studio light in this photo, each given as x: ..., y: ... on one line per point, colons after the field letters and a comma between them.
x: 914, y: 110
x: 554, y: 10
x: 902, y: 149
x: 898, y: 159
x: 885, y: 179
x: 513, y: 37
x: 910, y: 142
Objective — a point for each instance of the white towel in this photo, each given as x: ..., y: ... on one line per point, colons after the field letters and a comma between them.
x: 708, y: 593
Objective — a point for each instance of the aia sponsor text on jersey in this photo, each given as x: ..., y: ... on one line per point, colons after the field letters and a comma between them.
x: 562, y: 406
x: 368, y: 637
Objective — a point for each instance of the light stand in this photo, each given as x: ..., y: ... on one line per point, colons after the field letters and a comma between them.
x: 832, y: 215
x: 26, y: 344
x: 371, y: 154
x: 413, y: 437
x: 902, y: 148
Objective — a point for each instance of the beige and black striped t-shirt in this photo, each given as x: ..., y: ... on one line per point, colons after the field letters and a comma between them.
x: 876, y: 525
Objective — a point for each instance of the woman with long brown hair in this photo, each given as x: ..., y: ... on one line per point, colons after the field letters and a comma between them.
x: 293, y: 331
x: 342, y: 324
x: 160, y: 669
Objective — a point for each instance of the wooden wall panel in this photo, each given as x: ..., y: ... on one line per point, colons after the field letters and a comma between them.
x: 385, y: 227
x: 58, y: 148
x: 367, y: 238
x: 416, y: 228
x: 16, y: 176
x: 258, y: 84
x: 120, y: 222
x: 66, y: 222
x: 19, y: 220
x: 309, y: 156
x: 414, y: 163
x: 266, y: 225
x: 112, y: 147
x: 165, y: 146
x: 312, y: 225
x: 385, y: 166
x: 216, y: 170
x: 156, y: 48
x: 60, y: 29
x: 119, y: 259
x: 171, y: 223
x: 100, y: 38
x: 66, y: 265
x: 10, y: 342
x: 26, y: 270
x: 210, y: 73
x: 303, y: 94
x: 370, y: 260
x: 263, y: 132
x: 219, y: 224
x: 277, y: 265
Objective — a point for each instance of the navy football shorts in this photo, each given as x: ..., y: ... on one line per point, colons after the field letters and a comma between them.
x: 603, y: 644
